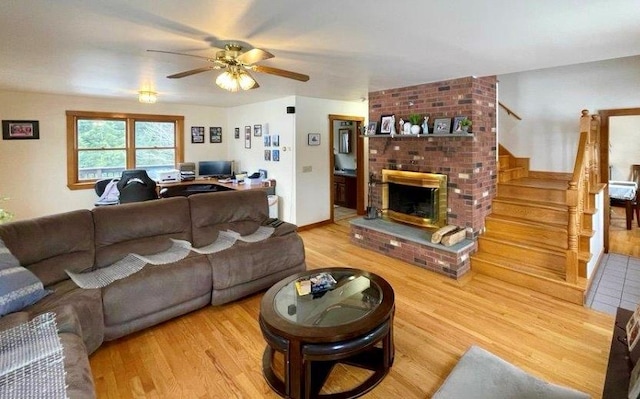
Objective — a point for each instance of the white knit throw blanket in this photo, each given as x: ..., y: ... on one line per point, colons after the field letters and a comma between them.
x: 179, y: 249
x: 31, y: 360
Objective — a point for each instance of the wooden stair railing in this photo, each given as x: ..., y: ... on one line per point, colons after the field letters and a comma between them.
x: 584, y: 181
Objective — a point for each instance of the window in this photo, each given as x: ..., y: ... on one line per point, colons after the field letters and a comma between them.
x: 101, y: 145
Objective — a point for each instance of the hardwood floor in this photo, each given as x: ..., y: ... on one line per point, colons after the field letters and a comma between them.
x: 216, y: 352
x: 621, y: 240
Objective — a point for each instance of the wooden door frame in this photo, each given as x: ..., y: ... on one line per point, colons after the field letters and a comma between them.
x: 605, y: 114
x: 359, y: 149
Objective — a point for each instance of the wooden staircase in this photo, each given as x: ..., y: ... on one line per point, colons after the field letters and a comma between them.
x: 538, y: 233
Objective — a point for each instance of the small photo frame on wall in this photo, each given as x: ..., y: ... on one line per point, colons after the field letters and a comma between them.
x: 313, y: 139
x: 386, y: 124
x: 442, y: 125
x: 275, y: 155
x: 266, y: 139
x: 257, y: 130
x: 236, y: 133
x: 197, y: 134
x: 267, y: 155
x: 215, y: 134
x: 275, y: 140
x: 247, y: 137
x: 20, y: 130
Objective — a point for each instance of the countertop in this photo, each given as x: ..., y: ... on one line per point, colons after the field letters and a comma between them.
x: 345, y: 172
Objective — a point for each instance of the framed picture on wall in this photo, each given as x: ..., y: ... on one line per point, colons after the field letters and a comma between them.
x: 215, y: 134
x: 236, y: 133
x: 20, y: 130
x: 257, y: 130
x: 275, y: 155
x: 197, y: 134
x: 247, y: 137
x: 275, y: 140
x: 313, y: 139
x: 267, y: 155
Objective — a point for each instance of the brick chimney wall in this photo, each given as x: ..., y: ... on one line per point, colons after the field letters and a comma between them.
x: 469, y: 162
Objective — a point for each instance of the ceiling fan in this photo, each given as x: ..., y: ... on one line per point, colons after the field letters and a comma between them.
x: 236, y: 64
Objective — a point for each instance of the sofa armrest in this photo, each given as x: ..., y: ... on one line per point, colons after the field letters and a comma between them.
x: 13, y: 320
x: 284, y: 229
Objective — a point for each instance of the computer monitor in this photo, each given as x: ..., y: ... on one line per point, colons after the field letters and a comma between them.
x: 215, y: 169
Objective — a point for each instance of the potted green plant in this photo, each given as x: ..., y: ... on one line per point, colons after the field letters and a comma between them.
x: 415, y: 123
x: 465, y: 124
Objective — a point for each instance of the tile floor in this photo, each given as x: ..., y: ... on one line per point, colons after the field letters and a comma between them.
x: 616, y: 284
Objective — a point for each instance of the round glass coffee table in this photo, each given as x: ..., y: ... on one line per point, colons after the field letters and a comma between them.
x: 349, y: 320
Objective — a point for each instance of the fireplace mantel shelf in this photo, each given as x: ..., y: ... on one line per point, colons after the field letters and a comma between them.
x: 400, y: 136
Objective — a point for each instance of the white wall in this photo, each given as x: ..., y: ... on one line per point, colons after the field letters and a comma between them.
x: 550, y: 100
x: 273, y: 117
x: 33, y: 173
x: 312, y: 162
x: 624, y: 145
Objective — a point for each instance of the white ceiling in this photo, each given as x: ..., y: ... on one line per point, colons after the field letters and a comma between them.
x: 347, y: 47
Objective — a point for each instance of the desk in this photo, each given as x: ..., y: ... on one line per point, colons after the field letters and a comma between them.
x: 625, y: 193
x: 186, y: 188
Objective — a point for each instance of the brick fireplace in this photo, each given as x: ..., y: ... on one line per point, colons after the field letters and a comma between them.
x: 468, y: 162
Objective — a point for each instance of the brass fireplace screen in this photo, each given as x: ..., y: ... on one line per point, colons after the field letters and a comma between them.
x: 415, y: 197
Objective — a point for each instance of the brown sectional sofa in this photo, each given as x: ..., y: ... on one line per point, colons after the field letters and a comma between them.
x: 84, y: 240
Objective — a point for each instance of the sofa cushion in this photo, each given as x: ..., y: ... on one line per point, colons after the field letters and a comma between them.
x: 250, y: 261
x: 239, y: 211
x: 155, y: 288
x: 87, y: 307
x: 143, y: 228
x: 48, y: 245
x: 20, y: 287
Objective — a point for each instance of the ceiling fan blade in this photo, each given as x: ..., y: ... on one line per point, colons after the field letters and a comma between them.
x: 187, y: 55
x: 280, y: 72
x: 191, y: 72
x: 253, y: 56
x: 255, y: 86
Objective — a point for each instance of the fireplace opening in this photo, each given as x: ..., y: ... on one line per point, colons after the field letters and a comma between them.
x: 415, y: 197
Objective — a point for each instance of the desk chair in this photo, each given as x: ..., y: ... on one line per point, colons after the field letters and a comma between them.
x: 111, y: 197
x: 136, y: 186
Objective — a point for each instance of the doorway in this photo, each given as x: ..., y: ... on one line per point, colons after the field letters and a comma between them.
x: 346, y: 166
x: 618, y: 240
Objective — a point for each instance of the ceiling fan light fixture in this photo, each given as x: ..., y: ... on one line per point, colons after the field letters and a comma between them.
x: 234, y: 80
x: 147, y: 97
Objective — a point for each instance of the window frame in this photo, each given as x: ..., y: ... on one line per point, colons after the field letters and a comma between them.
x: 72, y: 140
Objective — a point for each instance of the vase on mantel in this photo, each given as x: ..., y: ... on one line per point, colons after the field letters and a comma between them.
x: 415, y: 129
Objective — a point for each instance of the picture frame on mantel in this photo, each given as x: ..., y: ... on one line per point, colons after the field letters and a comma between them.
x: 386, y: 124
x: 442, y: 126
x: 20, y: 130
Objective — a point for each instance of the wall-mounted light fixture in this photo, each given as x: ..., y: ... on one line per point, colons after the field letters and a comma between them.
x: 147, y: 97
